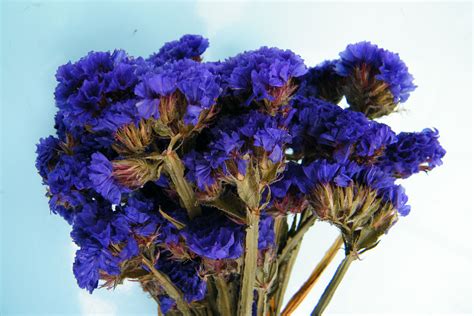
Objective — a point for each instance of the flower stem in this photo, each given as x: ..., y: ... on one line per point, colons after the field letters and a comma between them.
x: 262, y: 303
x: 333, y: 284
x: 299, y: 296
x: 296, y: 239
x: 169, y: 287
x: 286, y: 268
x: 223, y: 299
x: 287, y: 256
x: 175, y: 169
x: 250, y: 264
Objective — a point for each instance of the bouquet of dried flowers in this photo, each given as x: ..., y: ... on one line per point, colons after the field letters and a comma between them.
x: 200, y: 179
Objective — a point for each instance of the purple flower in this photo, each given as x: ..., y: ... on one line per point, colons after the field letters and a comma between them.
x: 194, y: 81
x: 88, y: 87
x: 324, y: 130
x: 151, y: 89
x: 266, y: 234
x: 322, y: 172
x: 109, y: 178
x: 221, y: 240
x: 255, y: 73
x: 48, y: 152
x: 68, y: 176
x: 166, y: 303
x: 412, y: 153
x: 116, y: 116
x: 201, y: 170
x: 90, y: 259
x: 376, y: 79
x: 322, y: 82
x: 102, y: 178
x: 184, y: 275
x: 272, y: 140
x: 188, y: 46
x: 293, y: 178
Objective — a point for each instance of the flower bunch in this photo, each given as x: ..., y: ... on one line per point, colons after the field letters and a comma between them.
x: 199, y: 179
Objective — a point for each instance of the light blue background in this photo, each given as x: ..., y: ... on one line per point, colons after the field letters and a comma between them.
x: 424, y: 265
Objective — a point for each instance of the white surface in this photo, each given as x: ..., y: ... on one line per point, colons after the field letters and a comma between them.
x: 424, y: 264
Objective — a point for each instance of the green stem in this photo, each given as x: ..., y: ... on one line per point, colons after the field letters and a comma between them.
x: 284, y: 277
x: 175, y: 169
x: 332, y: 286
x: 250, y: 263
x: 169, y: 287
x: 296, y: 238
x: 262, y: 303
x: 223, y: 299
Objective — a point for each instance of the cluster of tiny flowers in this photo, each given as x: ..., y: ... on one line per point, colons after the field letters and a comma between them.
x: 154, y: 158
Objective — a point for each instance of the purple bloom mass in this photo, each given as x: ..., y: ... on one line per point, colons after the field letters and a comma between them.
x: 224, y: 241
x: 412, y: 153
x: 164, y: 167
x: 376, y: 79
x: 187, y: 47
x: 262, y: 74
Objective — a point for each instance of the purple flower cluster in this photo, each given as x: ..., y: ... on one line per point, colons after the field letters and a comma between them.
x: 263, y: 74
x: 322, y: 82
x: 187, y: 47
x: 158, y: 160
x: 373, y: 80
x: 412, y: 153
x: 160, y: 90
x: 324, y: 130
x: 344, y: 175
x: 94, y: 91
x: 233, y: 141
x: 387, y: 67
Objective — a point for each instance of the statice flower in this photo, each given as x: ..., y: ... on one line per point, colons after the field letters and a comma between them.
x: 222, y: 240
x: 187, y: 47
x: 197, y: 180
x: 48, y: 151
x: 322, y: 82
x: 88, y: 88
x: 288, y: 193
x: 376, y: 79
x: 266, y: 236
x: 229, y: 150
x: 324, y: 130
x: 90, y: 259
x: 179, y: 94
x: 363, y: 202
x: 102, y: 178
x: 264, y: 74
x: 184, y: 274
x: 412, y: 153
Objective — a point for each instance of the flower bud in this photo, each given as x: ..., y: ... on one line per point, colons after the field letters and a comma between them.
x: 134, y: 173
x: 133, y: 139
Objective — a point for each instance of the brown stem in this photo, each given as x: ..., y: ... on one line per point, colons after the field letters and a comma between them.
x: 301, y: 294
